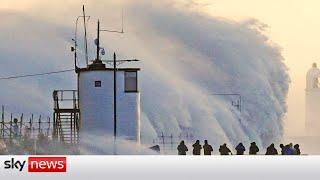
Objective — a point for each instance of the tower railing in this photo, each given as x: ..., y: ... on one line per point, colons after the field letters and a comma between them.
x: 66, y: 116
x: 69, y: 98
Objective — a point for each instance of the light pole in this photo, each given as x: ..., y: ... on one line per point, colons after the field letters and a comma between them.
x: 113, y: 63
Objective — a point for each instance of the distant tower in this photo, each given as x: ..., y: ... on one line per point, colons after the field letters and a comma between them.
x: 313, y: 101
x: 105, y: 106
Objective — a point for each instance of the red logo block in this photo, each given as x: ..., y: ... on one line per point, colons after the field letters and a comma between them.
x: 47, y: 164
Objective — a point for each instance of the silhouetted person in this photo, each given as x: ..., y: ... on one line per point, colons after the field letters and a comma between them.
x: 288, y: 149
x: 196, y: 148
x: 224, y: 150
x: 271, y: 150
x: 282, y: 149
x: 207, y: 148
x: 15, y: 127
x: 297, y: 149
x: 253, y: 149
x: 182, y: 148
x: 240, y: 149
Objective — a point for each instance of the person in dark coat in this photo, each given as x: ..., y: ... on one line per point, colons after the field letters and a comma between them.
x: 297, y: 149
x: 207, y: 148
x: 182, y: 148
x: 197, y: 148
x: 288, y: 149
x: 240, y: 149
x: 282, y: 149
x: 15, y: 127
x: 224, y: 150
x: 253, y: 149
x: 271, y: 150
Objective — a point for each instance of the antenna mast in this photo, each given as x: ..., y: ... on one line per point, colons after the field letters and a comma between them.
x: 116, y: 31
x: 98, y: 41
x: 122, y: 21
x: 85, y: 35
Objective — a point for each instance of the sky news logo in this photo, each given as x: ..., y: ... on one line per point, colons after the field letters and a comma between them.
x: 38, y: 164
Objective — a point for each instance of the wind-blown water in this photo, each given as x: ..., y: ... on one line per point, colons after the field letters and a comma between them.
x: 186, y: 57
x: 192, y: 56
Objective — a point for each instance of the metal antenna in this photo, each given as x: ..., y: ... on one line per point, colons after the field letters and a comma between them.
x: 114, y: 62
x: 75, y: 40
x: 116, y: 31
x: 98, y: 41
x: 122, y: 21
x: 85, y: 35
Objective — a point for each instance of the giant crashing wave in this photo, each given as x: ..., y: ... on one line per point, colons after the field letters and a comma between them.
x: 189, y: 57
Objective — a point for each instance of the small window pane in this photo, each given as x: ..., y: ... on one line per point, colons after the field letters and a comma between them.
x: 131, y: 82
x: 97, y: 84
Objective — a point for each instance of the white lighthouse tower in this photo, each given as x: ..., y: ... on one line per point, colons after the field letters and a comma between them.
x: 313, y: 101
x: 96, y: 104
x: 109, y: 102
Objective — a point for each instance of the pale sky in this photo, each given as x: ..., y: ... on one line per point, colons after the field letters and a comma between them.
x: 293, y: 25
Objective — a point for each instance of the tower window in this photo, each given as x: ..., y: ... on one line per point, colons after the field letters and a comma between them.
x: 97, y: 84
x: 131, y: 81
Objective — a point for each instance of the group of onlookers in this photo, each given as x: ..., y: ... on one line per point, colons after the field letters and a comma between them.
x: 240, y: 149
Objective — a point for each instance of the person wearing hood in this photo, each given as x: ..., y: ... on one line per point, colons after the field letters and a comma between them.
x: 207, y: 148
x: 288, y: 149
x: 271, y: 150
x: 240, y: 149
x: 297, y: 149
x: 182, y: 148
x: 224, y: 150
x: 197, y: 148
x: 253, y: 149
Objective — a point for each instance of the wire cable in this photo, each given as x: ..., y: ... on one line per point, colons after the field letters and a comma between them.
x: 37, y: 74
